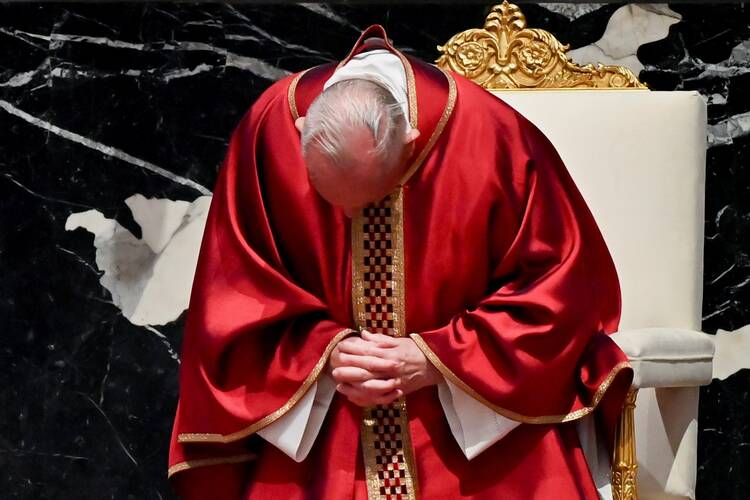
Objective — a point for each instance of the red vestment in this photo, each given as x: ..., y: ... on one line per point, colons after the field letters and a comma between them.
x: 496, y: 268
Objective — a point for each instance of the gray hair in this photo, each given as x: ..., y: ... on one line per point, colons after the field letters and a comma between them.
x: 349, y: 105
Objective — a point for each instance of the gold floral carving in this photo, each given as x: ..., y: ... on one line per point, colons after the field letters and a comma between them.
x: 505, y: 54
x: 624, y: 465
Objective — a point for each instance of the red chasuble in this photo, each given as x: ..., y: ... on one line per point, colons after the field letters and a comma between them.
x: 486, y: 255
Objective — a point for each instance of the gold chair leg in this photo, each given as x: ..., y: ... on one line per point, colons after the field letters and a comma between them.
x: 624, y: 465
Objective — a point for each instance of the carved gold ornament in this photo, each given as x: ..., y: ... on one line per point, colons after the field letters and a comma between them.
x: 624, y: 464
x: 505, y: 54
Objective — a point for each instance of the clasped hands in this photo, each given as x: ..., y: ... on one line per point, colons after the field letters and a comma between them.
x: 377, y: 369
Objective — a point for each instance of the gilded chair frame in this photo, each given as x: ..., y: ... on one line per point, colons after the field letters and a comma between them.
x: 507, y: 55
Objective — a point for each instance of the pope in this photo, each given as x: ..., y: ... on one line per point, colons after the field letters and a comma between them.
x: 400, y: 294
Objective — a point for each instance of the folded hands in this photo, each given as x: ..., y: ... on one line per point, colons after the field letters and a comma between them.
x: 377, y: 369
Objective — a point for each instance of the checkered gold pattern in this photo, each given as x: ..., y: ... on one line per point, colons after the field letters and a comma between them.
x: 377, y: 267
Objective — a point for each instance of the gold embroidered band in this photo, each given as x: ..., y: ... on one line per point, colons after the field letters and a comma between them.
x: 378, y: 300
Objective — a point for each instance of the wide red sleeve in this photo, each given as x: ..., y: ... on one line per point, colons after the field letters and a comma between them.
x: 536, y: 348
x: 255, y: 338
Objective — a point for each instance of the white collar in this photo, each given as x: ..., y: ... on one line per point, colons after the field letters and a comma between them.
x: 379, y: 66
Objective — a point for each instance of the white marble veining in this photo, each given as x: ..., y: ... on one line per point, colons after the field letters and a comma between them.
x: 327, y: 12
x: 150, y: 278
x: 732, y: 352
x: 254, y: 65
x: 572, y: 10
x: 629, y: 27
x: 725, y: 131
x: 98, y: 146
x: 26, y: 77
x: 267, y: 36
x: 738, y: 63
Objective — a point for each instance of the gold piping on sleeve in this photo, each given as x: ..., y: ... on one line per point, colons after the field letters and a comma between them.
x: 203, y: 462
x: 199, y: 437
x: 447, y: 111
x: 543, y: 419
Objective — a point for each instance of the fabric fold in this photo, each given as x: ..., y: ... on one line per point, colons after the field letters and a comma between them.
x: 295, y: 432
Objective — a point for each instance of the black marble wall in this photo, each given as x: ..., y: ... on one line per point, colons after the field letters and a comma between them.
x: 101, y: 102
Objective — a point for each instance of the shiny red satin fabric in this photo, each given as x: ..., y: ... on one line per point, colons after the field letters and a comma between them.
x: 508, y: 281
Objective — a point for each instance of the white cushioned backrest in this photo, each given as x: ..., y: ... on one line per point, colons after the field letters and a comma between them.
x: 638, y: 158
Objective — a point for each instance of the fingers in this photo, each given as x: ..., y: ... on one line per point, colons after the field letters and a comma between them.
x: 359, y: 346
x: 369, y: 363
x: 364, y: 397
x: 380, y: 339
x: 351, y: 374
x: 335, y: 360
x: 379, y: 385
x: 343, y: 355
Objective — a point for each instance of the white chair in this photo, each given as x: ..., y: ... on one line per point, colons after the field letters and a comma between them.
x: 638, y: 158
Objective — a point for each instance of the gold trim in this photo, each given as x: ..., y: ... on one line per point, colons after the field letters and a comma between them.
x: 291, y: 94
x: 191, y: 464
x: 399, y: 283
x: 358, y: 284
x: 367, y: 436
x: 411, y: 91
x: 505, y: 54
x: 192, y: 437
x: 624, y: 463
x: 399, y: 317
x: 408, y: 447
x: 543, y: 419
x: 447, y: 112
